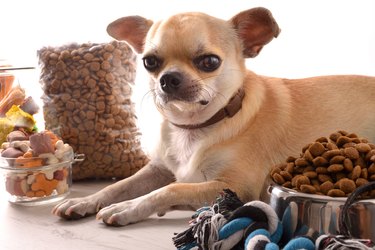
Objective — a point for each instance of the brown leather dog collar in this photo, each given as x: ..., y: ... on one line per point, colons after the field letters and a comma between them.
x: 233, y: 106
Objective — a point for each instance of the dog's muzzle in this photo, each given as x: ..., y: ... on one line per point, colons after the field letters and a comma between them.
x: 171, y: 82
x: 178, y: 86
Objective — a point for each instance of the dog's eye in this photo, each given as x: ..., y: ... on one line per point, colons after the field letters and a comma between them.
x: 151, y: 63
x: 207, y: 63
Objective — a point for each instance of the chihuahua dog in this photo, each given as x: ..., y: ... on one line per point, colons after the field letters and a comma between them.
x: 224, y: 126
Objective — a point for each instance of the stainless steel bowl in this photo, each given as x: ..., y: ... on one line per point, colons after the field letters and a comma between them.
x: 314, y: 215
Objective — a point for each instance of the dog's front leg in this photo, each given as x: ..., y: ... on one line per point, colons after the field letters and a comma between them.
x: 175, y: 195
x: 149, y: 178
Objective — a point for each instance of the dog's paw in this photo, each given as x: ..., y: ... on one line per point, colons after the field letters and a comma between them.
x: 126, y: 212
x: 76, y: 208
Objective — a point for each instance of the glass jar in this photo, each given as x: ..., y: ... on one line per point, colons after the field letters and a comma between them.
x: 24, y: 184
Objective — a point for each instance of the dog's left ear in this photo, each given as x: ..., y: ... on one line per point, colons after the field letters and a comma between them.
x: 132, y: 29
x: 255, y: 27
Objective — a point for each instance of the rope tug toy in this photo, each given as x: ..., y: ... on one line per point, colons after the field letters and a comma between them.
x: 231, y: 224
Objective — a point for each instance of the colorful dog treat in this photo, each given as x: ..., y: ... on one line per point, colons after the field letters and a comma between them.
x: 29, y: 106
x: 333, y: 166
x: 17, y: 135
x: 11, y: 153
x: 41, y: 143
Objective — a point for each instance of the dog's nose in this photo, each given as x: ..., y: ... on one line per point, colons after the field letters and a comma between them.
x: 170, y: 82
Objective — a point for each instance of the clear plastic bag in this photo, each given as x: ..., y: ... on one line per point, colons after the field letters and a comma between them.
x: 87, y: 101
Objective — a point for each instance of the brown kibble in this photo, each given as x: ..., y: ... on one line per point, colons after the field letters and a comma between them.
x: 308, y: 168
x: 334, y: 136
x: 316, y: 184
x: 91, y: 83
x: 90, y: 115
x: 316, y: 149
x: 291, y: 159
x: 321, y: 170
x: 308, y: 189
x: 301, y: 162
x: 278, y: 178
x: 356, y: 173
x: 310, y: 174
x: 340, y: 175
x: 338, y: 159
x: 306, y: 147
x: 331, y: 153
x: 336, y: 193
x: 352, y: 135
x: 94, y: 66
x: 322, y: 139
x: 331, y: 146
x: 320, y: 161
x: 106, y: 65
x: 324, y: 178
x: 364, y: 173
x: 363, y: 147
x: 347, y: 186
x: 275, y: 169
x: 298, y: 170
x: 290, y: 167
x: 287, y: 184
x: 286, y: 175
x: 302, y: 180
x: 360, y: 181
x: 370, y: 154
x: 69, y: 105
x: 349, y: 145
x: 348, y: 165
x: 371, y: 169
x: 342, y: 140
x: 326, y: 186
x: 351, y: 153
x: 294, y: 180
x: 109, y: 77
x: 334, y: 168
x: 308, y: 156
x: 281, y: 166
x: 100, y: 106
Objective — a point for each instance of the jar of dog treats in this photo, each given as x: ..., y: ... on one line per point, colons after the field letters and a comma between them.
x: 35, y: 169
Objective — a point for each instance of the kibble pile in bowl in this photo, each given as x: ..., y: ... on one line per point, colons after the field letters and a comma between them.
x: 333, y: 166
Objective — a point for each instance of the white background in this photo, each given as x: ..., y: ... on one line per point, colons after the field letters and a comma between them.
x: 318, y: 37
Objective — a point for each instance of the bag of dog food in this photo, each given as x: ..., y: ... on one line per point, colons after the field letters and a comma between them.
x: 87, y: 101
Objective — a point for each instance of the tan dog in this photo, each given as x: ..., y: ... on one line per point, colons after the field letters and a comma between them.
x: 224, y: 126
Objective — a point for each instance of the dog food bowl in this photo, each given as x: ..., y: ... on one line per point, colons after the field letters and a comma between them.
x: 25, y: 185
x: 314, y: 215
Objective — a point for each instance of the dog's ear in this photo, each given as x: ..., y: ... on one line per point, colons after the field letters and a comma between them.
x: 255, y: 27
x: 132, y: 29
